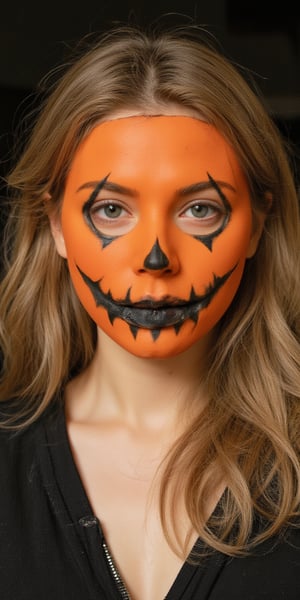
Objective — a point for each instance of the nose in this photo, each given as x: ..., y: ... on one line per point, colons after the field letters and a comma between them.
x: 157, y: 262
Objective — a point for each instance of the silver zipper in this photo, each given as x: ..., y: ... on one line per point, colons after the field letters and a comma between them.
x: 115, y: 573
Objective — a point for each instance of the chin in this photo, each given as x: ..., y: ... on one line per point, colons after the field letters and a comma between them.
x: 165, y: 344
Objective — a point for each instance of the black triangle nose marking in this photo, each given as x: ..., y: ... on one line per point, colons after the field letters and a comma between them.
x: 156, y: 259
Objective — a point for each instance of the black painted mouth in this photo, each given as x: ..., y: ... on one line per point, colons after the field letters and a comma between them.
x: 152, y: 314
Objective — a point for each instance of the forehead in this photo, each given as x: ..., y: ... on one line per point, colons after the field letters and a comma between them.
x: 179, y: 148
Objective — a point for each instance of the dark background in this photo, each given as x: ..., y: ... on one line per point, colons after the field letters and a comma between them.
x: 37, y: 36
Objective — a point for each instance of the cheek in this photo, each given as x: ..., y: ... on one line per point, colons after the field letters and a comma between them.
x: 231, y: 247
x: 229, y: 251
x: 83, y: 248
x: 86, y: 250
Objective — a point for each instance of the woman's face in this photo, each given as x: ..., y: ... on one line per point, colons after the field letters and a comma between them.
x: 156, y: 226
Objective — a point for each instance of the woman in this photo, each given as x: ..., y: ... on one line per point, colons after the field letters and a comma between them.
x: 149, y: 323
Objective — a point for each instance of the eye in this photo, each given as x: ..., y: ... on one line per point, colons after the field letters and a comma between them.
x: 202, y: 217
x: 109, y: 211
x: 111, y: 217
x: 200, y: 211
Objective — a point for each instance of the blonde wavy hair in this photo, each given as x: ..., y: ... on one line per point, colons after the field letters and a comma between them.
x: 250, y: 428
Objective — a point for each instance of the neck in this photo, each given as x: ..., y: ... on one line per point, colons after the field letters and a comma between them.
x: 141, y: 392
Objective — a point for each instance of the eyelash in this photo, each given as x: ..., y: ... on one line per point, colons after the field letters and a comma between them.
x: 105, y: 203
x: 118, y: 204
x: 204, y: 204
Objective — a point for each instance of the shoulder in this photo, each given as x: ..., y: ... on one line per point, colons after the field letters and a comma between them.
x: 271, y: 570
x: 19, y: 446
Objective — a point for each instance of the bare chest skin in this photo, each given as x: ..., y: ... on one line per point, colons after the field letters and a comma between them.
x: 117, y: 468
x: 123, y: 415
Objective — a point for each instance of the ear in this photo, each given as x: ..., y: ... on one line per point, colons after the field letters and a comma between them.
x: 259, y: 218
x: 57, y: 234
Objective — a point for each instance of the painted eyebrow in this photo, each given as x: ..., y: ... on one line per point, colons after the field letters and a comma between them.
x: 200, y: 186
x: 205, y: 185
x: 110, y: 186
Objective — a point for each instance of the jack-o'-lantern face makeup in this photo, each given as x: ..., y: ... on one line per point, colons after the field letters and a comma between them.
x: 156, y: 225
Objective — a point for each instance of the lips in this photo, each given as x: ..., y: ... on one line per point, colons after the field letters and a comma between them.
x: 152, y: 314
x: 155, y: 318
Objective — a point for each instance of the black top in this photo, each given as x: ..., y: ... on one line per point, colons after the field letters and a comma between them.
x: 52, y: 547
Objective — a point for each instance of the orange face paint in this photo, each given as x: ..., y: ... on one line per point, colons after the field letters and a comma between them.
x: 156, y: 220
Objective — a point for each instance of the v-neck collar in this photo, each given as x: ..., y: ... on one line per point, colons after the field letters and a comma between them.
x: 190, y: 578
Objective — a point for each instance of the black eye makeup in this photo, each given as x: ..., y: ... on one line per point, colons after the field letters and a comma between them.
x: 205, y: 217
x: 91, y: 208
